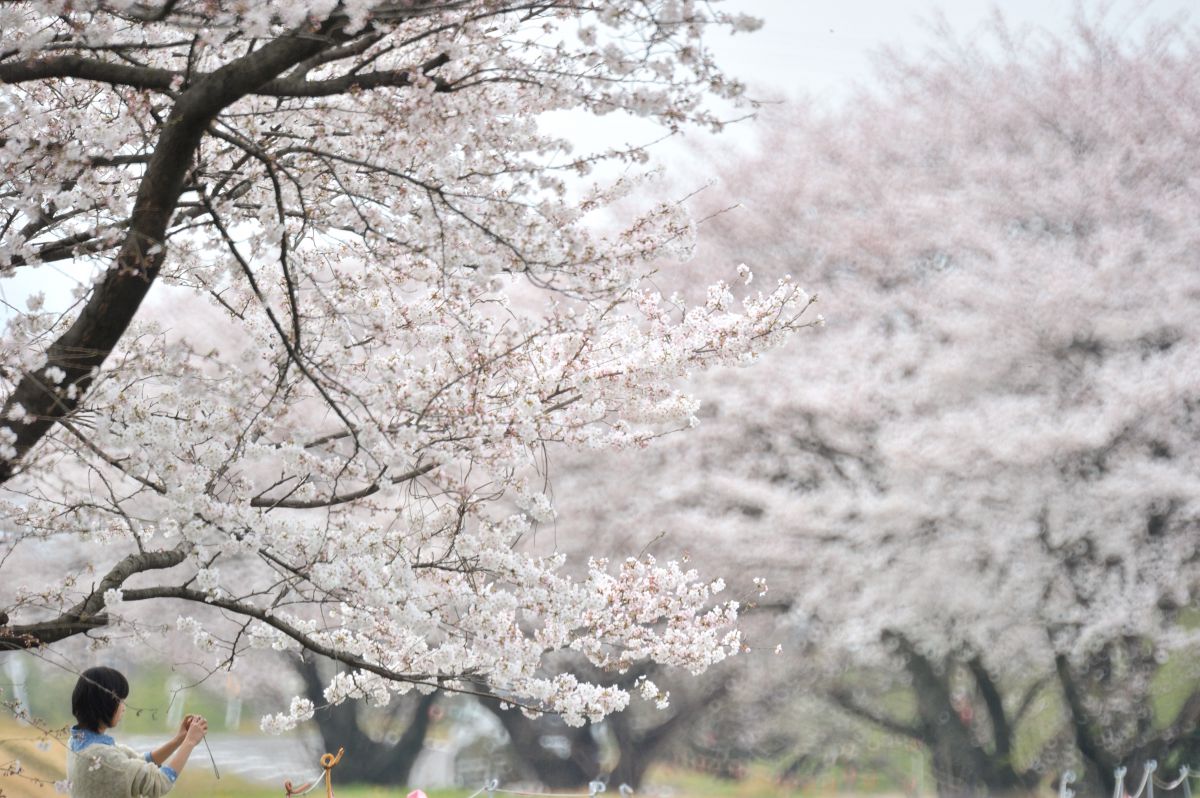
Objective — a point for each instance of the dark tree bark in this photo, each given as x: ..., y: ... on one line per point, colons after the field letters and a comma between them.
x: 963, y: 766
x: 110, y: 309
x: 580, y: 766
x: 366, y: 759
x: 638, y: 750
x: 639, y: 747
x: 89, y: 613
x: 1100, y: 763
x: 1171, y: 747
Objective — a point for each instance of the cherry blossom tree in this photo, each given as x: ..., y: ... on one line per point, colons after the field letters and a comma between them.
x: 336, y: 302
x: 977, y: 488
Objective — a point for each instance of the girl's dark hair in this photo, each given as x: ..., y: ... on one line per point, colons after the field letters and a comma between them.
x: 96, y: 696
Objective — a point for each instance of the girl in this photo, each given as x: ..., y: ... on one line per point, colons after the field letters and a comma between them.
x: 99, y: 768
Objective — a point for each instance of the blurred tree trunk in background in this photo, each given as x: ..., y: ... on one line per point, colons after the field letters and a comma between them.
x: 1108, y: 740
x: 368, y: 759
x: 641, y: 744
x: 969, y: 757
x: 572, y: 762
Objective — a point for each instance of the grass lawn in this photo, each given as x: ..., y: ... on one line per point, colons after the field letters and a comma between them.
x: 49, y: 689
x: 39, y: 766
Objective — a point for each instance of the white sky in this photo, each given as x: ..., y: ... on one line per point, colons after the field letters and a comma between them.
x: 823, y: 46
x: 821, y: 49
x: 818, y: 48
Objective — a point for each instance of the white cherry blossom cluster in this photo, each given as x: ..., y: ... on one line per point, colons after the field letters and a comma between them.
x: 374, y: 308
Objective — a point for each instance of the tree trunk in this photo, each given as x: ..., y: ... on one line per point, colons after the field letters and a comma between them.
x: 962, y: 766
x: 638, y: 749
x: 636, y: 752
x: 367, y: 760
x: 1172, y: 747
x: 546, y: 764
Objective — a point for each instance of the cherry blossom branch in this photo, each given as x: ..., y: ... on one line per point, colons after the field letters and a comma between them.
x: 362, y: 493
x: 308, y: 642
x: 78, y: 67
x: 37, y: 402
x: 295, y: 355
x: 89, y: 613
x: 399, y: 328
x: 157, y: 487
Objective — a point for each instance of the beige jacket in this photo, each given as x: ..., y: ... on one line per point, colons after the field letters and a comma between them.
x: 115, y: 771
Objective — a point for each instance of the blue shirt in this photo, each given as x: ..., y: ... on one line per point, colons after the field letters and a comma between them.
x: 81, y: 738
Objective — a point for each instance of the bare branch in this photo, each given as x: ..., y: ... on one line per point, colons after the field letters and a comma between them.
x: 298, y: 504
x: 846, y: 701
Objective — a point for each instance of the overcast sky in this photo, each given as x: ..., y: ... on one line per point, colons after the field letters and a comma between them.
x: 823, y: 46
x: 818, y: 48
x: 822, y: 49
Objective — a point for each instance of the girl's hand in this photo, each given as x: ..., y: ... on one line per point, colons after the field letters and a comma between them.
x: 183, y: 727
x: 197, y: 728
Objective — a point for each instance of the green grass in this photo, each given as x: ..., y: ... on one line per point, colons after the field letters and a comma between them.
x: 49, y: 690
x: 697, y: 785
x: 20, y: 742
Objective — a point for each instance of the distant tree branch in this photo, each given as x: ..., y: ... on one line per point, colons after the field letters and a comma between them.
x: 1002, y: 732
x: 1083, y: 723
x: 843, y: 699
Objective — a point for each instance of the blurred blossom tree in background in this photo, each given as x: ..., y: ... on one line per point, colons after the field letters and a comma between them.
x: 336, y: 302
x: 976, y: 491
x: 361, y: 367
